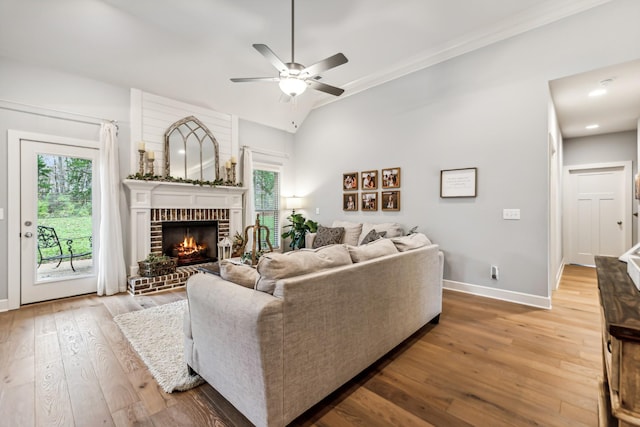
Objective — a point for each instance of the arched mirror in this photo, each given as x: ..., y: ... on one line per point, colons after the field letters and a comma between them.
x: 191, y: 151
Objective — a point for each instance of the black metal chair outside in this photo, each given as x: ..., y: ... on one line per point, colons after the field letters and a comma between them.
x: 48, y: 238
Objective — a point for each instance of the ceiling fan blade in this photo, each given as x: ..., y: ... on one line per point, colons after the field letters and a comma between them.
x: 271, y: 57
x: 255, y: 79
x: 325, y: 64
x: 332, y: 90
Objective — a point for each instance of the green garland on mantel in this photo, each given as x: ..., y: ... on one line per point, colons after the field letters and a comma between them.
x: 215, y: 183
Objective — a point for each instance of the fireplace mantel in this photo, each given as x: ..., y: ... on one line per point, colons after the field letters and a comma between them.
x: 143, y: 196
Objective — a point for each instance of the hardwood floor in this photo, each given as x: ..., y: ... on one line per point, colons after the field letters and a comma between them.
x: 488, y: 363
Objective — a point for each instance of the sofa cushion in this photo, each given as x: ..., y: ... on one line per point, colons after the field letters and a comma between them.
x: 411, y: 241
x: 352, y: 231
x: 393, y: 229
x: 274, y: 266
x: 371, y: 236
x: 327, y: 236
x: 375, y: 249
x: 241, y: 274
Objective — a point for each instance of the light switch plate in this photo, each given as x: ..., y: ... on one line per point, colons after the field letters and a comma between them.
x: 1, y: 214
x: 511, y: 214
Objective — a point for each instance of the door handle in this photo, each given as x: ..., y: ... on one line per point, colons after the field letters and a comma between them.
x: 28, y: 234
x: 619, y: 222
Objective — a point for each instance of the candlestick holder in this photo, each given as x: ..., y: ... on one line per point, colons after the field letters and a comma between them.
x: 233, y: 172
x: 228, y: 173
x: 150, y: 166
x: 141, y: 162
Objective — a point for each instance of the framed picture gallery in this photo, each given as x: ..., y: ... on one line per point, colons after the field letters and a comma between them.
x: 359, y: 190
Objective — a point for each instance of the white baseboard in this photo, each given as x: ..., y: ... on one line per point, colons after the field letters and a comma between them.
x: 500, y: 294
x: 4, y: 305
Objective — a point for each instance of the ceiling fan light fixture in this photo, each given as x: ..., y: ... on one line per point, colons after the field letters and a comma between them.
x: 292, y: 86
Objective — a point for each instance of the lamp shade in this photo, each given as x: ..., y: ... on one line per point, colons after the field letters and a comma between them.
x: 292, y: 86
x: 294, y: 202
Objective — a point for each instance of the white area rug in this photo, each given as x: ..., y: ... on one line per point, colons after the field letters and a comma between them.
x: 156, y: 334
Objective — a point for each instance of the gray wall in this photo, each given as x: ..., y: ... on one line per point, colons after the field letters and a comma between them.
x: 260, y: 137
x: 46, y: 88
x: 486, y: 109
x: 610, y: 147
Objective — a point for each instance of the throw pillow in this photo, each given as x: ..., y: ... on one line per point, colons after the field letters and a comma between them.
x: 241, y: 274
x: 375, y: 249
x: 352, y: 231
x: 371, y: 236
x: 327, y: 236
x: 274, y: 266
x: 411, y: 241
x: 393, y: 229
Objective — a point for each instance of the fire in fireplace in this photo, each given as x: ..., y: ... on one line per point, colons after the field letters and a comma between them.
x: 192, y: 242
x: 189, y: 248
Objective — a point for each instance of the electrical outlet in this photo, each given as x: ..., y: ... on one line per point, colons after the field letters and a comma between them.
x: 494, y: 272
x: 317, y: 211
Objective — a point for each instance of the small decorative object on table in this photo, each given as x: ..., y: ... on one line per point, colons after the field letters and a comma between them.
x: 256, y: 241
x: 238, y: 245
x: 224, y: 248
x: 157, y: 265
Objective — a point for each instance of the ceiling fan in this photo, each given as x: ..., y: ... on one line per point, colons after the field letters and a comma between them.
x: 294, y: 78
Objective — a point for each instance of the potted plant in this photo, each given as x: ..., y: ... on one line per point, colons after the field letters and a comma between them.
x: 157, y: 265
x: 298, y: 229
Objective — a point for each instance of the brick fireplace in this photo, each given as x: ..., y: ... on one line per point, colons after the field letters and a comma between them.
x: 154, y: 203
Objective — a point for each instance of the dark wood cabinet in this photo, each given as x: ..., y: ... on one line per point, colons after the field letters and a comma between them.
x: 619, y: 403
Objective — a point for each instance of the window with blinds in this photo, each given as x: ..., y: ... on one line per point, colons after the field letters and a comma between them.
x: 266, y: 190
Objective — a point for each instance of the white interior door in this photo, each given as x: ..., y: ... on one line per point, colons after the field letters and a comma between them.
x: 58, y: 220
x: 597, y: 211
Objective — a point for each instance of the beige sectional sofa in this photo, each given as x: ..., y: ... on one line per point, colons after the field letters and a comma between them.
x: 275, y: 355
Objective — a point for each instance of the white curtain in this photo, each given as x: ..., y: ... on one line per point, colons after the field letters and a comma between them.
x: 112, y: 276
x: 247, y: 180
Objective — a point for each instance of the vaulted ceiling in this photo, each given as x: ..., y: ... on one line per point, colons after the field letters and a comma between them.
x: 188, y: 50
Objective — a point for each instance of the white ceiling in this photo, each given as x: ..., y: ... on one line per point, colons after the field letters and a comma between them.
x: 616, y: 111
x: 188, y: 50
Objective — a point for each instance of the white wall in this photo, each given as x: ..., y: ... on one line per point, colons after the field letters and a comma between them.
x: 486, y: 109
x: 53, y: 90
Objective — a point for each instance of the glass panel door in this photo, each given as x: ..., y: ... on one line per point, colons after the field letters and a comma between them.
x: 58, y: 216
